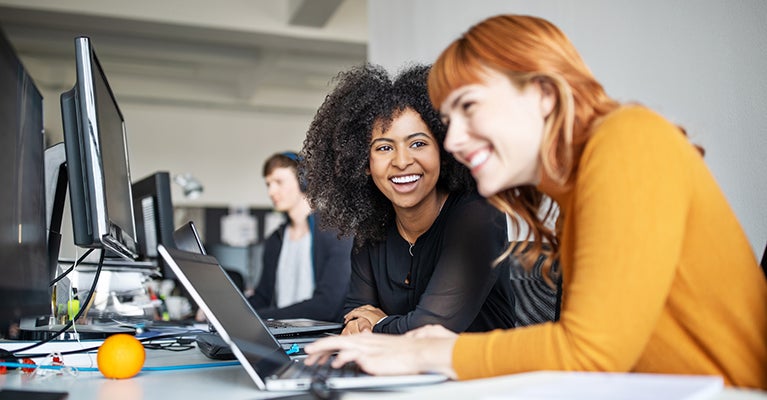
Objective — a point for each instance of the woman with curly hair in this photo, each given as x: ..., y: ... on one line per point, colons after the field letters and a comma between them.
x: 424, y: 239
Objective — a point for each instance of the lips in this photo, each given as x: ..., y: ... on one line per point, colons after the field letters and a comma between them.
x: 405, y: 183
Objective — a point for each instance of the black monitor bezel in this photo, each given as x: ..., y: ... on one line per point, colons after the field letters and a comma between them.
x: 92, y: 227
x: 157, y: 188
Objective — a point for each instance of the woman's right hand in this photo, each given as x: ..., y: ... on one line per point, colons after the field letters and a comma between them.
x: 380, y: 354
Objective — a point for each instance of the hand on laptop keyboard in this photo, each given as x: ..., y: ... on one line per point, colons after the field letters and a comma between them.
x: 323, y: 371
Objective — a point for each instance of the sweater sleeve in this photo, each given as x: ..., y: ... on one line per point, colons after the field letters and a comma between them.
x: 621, y: 239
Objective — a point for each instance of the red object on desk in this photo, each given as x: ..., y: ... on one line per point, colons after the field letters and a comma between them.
x: 28, y: 361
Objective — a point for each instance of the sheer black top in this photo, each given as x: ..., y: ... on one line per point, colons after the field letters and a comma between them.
x: 450, y: 277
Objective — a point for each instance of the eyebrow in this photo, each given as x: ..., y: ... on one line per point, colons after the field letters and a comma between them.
x: 453, y: 104
x: 409, y: 137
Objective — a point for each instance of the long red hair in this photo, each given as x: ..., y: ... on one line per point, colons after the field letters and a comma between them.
x: 529, y: 49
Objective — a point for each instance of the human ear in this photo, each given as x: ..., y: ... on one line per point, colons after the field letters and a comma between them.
x: 548, y: 96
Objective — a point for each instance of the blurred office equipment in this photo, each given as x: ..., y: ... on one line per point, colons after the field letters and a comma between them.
x: 192, y: 188
x: 24, y: 262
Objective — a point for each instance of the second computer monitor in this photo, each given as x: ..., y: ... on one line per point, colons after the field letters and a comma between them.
x: 153, y: 207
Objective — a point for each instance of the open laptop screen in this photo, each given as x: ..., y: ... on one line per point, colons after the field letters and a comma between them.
x: 228, y: 310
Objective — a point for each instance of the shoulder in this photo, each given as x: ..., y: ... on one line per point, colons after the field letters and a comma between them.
x: 278, y: 233
x: 636, y: 135
x: 634, y: 126
x: 323, y: 233
x: 273, y: 242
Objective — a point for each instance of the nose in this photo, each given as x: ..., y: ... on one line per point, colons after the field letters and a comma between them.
x: 402, y: 159
x: 456, y: 135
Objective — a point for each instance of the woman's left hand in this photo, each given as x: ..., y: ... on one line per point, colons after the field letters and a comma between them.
x: 370, y: 313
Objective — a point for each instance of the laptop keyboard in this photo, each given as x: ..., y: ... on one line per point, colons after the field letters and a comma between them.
x: 273, y: 323
x: 324, y: 371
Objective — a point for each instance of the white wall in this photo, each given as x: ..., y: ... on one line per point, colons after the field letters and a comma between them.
x: 700, y: 63
x: 209, y: 88
x: 225, y: 149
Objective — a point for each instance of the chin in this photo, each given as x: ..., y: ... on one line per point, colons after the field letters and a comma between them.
x: 488, y: 189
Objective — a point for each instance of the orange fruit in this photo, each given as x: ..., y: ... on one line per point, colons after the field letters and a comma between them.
x: 120, y: 356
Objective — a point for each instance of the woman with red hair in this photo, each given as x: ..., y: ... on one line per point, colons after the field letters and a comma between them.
x: 657, y: 273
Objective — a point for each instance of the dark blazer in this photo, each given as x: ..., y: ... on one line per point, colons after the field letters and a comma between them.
x: 331, y: 259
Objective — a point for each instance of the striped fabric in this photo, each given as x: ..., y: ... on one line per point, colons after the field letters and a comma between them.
x: 534, y: 300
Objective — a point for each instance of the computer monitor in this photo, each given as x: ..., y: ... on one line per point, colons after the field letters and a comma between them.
x: 153, y: 208
x: 97, y: 160
x: 24, y: 266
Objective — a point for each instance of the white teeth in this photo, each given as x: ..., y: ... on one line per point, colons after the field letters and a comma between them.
x: 405, y: 179
x: 479, y: 158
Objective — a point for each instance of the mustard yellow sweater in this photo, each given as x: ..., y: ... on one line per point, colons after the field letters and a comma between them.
x: 658, y: 275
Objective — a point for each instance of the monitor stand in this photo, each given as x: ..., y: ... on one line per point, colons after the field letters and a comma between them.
x: 56, y: 182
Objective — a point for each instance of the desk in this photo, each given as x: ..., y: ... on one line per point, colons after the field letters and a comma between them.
x: 232, y: 383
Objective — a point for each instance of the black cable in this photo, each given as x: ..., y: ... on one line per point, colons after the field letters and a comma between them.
x: 94, y: 348
x: 178, y: 345
x: 70, y: 269
x: 79, y: 312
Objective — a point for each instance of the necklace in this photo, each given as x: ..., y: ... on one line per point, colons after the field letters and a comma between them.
x: 409, y: 250
x: 402, y: 233
x: 402, y: 228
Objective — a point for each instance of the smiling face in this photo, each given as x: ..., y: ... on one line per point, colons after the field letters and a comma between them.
x: 404, y: 160
x: 496, y: 129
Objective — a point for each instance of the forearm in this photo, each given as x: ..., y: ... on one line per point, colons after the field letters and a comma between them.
x: 436, y: 355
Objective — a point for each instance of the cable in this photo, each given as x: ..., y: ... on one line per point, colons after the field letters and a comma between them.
x: 145, y: 369
x: 70, y: 269
x: 191, y: 366
x: 79, y: 312
x: 95, y: 348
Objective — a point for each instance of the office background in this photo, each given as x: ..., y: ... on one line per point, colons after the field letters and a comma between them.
x: 213, y: 88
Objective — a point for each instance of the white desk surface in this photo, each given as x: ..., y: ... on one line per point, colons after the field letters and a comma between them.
x: 232, y: 383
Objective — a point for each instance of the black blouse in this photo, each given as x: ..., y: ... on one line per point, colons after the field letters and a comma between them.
x: 451, y: 278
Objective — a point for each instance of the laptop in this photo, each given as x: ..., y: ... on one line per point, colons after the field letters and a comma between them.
x: 259, y: 352
x: 187, y: 238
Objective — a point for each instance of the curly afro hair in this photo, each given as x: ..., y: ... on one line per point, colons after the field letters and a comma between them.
x: 337, y: 148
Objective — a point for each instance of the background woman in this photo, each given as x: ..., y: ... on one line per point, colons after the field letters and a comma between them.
x: 658, y: 275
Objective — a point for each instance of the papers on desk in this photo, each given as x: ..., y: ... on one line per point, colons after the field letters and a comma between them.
x: 613, y: 386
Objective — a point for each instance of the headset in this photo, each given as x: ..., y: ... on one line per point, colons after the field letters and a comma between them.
x: 299, y: 171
